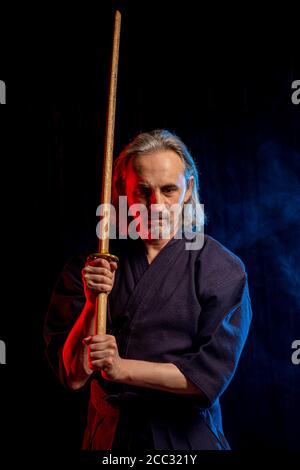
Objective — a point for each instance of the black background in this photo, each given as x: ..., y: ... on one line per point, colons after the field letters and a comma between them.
x: 221, y: 79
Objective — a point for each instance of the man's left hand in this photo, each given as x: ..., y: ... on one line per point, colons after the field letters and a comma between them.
x: 104, y: 356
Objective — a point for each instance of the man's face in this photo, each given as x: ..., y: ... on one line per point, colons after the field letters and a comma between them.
x: 158, y: 178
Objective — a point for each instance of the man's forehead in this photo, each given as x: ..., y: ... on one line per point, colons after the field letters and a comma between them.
x: 166, y: 162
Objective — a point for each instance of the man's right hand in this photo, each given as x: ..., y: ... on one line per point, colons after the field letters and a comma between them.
x: 98, y: 276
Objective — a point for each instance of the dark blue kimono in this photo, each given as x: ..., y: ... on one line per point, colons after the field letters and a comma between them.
x: 188, y: 307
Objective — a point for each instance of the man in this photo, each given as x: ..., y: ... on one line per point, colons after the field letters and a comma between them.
x: 177, y: 319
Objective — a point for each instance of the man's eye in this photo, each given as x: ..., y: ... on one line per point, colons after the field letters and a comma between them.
x: 169, y: 190
x: 142, y: 191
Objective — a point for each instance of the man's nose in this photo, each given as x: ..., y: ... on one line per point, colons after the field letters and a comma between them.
x: 155, y: 198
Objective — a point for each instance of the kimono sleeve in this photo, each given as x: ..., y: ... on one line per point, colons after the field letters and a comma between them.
x: 65, y: 306
x: 223, y: 328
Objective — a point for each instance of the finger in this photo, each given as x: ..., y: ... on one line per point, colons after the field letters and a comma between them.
x: 100, y: 363
x: 101, y: 338
x: 97, y: 270
x: 106, y: 353
x: 113, y: 266
x: 99, y: 279
x: 101, y: 346
x: 94, y: 339
x: 87, y: 340
x: 98, y: 288
x: 99, y: 262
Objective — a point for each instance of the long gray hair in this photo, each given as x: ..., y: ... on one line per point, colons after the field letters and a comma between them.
x: 152, y: 142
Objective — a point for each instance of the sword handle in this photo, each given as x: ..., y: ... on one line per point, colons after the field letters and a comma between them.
x: 101, y: 301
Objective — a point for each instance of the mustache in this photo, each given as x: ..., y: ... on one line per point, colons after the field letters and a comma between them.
x: 159, y: 218
x: 160, y: 213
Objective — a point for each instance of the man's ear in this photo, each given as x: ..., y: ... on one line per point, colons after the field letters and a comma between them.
x: 190, y: 185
